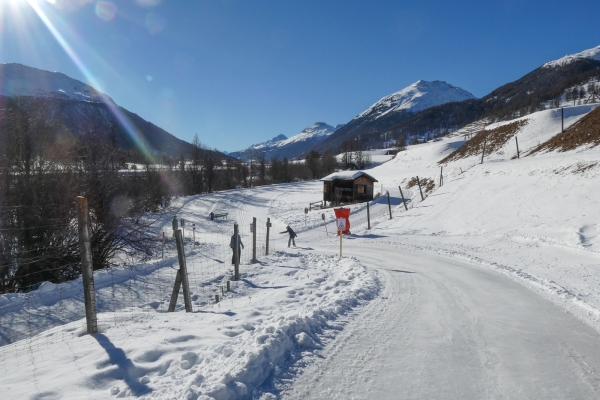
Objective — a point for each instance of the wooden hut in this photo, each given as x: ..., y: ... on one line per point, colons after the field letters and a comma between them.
x: 348, y: 187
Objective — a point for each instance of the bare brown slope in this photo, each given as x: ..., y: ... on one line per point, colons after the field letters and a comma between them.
x: 494, y: 139
x: 585, y: 132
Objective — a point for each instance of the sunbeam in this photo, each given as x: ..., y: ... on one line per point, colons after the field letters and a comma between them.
x: 125, y: 123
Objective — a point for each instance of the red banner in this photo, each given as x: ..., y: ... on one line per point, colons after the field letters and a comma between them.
x: 344, y: 213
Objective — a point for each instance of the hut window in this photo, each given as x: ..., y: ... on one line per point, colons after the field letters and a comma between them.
x: 361, y: 189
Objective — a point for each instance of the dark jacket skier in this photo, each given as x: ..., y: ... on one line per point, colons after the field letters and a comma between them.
x: 232, y: 245
x: 292, y: 235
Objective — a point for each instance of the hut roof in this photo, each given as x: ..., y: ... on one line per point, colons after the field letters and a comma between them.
x: 347, y: 176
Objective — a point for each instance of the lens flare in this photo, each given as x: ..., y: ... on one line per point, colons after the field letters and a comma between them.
x: 148, y: 3
x: 155, y: 23
x: 119, y: 115
x: 106, y: 10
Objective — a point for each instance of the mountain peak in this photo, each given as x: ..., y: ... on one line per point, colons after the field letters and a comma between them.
x: 21, y: 80
x: 416, y: 97
x: 593, y: 53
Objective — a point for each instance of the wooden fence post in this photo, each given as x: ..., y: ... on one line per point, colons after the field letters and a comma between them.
x: 87, y: 275
x: 389, y: 204
x: 368, y: 217
x: 268, y: 229
x: 403, y: 201
x: 517, y: 141
x: 420, y: 190
x: 562, y: 119
x: 483, y: 152
x: 163, y: 245
x: 182, y: 277
x: 254, y: 240
x: 441, y: 176
x: 236, y: 253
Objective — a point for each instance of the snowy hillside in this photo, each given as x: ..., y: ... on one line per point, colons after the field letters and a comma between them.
x: 416, y: 97
x: 21, y: 80
x: 593, y: 53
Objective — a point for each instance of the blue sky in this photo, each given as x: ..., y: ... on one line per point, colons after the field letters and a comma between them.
x: 242, y: 72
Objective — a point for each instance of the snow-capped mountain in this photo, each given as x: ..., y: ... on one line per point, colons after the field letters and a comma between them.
x: 396, y: 108
x: 21, y: 80
x: 295, y: 146
x: 593, y: 54
x: 315, y: 132
x: 416, y: 97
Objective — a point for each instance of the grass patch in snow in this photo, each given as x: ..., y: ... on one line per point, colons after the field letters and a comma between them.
x: 494, y: 139
x: 585, y: 132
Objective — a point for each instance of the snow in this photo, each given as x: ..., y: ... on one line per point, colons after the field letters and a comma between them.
x: 416, y: 97
x: 21, y: 80
x: 347, y: 175
x: 593, y: 53
x: 489, y: 288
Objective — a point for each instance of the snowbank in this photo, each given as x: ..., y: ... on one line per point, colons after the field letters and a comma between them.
x: 281, y: 311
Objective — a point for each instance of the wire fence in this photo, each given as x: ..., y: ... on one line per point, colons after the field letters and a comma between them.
x: 137, y: 290
x: 130, y: 291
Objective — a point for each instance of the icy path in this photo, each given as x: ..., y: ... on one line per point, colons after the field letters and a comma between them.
x: 445, y: 329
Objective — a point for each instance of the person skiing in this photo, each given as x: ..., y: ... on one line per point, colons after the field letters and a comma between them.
x: 232, y: 245
x: 292, y: 235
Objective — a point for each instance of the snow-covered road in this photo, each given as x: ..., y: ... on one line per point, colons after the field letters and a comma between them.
x: 445, y: 329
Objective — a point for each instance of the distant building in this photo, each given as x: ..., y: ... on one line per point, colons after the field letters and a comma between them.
x: 348, y: 187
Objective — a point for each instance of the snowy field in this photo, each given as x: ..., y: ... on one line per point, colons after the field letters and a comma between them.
x: 502, y: 251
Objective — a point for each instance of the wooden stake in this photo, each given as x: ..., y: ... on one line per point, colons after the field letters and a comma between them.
x: 228, y: 286
x: 562, y: 119
x: 517, y: 141
x: 175, y: 292
x: 254, y: 240
x: 420, y: 190
x: 87, y: 275
x: 181, y: 280
x: 268, y: 229
x: 216, y: 298
x: 236, y: 253
x: 163, y: 245
x: 403, y: 201
x: 483, y: 152
x: 389, y: 204
x: 368, y: 217
x: 441, y: 176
